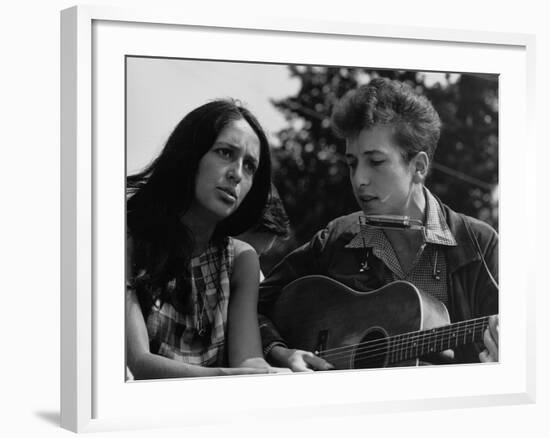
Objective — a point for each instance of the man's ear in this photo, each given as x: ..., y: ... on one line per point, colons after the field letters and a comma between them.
x: 421, y: 164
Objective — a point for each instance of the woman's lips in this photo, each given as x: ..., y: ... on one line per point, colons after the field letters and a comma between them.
x: 228, y: 194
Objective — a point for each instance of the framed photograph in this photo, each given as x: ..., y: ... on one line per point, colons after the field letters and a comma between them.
x: 128, y: 77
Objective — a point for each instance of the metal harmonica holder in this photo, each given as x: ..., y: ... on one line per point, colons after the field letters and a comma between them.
x: 386, y: 221
x: 389, y: 221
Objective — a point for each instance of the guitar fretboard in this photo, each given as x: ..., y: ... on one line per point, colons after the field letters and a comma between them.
x: 417, y: 344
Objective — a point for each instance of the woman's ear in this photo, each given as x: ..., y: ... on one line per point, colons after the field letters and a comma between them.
x: 421, y: 164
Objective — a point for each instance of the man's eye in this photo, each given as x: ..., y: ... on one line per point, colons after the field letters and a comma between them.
x: 376, y: 162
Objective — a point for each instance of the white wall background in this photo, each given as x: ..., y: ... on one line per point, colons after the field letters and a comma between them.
x: 29, y: 219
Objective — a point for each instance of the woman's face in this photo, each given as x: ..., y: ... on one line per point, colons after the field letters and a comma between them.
x: 382, y: 181
x: 226, y: 172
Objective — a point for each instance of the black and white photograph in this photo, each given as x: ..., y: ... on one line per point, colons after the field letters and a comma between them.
x: 286, y: 218
x: 275, y: 219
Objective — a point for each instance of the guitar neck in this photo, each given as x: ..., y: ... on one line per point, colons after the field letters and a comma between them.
x: 417, y: 344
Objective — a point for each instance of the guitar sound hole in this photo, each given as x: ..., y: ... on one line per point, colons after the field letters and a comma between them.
x: 372, y: 351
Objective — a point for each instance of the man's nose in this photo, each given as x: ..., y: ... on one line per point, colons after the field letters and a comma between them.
x: 361, y: 177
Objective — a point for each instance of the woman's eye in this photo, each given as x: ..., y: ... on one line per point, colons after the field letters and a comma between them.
x: 376, y: 162
x: 224, y: 152
x: 250, y: 168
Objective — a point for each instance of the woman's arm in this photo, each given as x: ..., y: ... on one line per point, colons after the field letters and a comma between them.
x: 244, y: 344
x: 145, y: 365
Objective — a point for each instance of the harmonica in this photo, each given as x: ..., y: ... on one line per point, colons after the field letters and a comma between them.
x: 391, y: 221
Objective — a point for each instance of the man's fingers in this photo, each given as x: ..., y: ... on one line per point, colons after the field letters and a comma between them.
x: 493, y: 327
x: 484, y: 356
x: 298, y: 363
x: 317, y: 363
x: 448, y: 354
x: 490, y: 345
x: 300, y: 368
x: 306, y: 361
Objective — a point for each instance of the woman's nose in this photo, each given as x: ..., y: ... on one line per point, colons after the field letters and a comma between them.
x: 235, y: 171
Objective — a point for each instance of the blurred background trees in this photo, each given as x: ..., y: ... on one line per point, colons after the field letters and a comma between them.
x: 310, y: 171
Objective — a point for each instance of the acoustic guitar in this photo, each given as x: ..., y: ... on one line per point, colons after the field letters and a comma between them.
x: 395, y: 325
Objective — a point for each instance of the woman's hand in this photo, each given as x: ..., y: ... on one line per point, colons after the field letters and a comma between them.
x: 255, y: 365
x: 298, y: 360
x: 259, y: 363
x: 490, y: 339
x: 251, y: 370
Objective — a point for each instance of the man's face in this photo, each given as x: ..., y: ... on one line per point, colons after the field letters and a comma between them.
x: 381, y: 179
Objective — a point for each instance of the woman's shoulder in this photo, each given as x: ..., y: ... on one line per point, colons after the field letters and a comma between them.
x: 240, y: 247
x: 232, y: 252
x: 244, y: 253
x: 246, y: 260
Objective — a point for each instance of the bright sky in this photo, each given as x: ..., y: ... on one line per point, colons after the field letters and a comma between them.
x: 160, y: 92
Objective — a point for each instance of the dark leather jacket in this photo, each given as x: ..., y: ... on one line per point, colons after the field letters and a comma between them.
x: 470, y: 290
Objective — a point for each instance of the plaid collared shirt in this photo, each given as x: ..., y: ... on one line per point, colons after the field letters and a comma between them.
x: 197, y: 338
x: 429, y: 270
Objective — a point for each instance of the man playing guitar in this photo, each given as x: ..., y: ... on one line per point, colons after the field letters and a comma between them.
x: 403, y: 232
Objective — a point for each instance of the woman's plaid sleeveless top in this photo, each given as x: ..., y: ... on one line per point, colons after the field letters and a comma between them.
x: 197, y: 337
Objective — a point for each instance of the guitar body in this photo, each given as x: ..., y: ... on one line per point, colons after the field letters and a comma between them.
x: 318, y: 314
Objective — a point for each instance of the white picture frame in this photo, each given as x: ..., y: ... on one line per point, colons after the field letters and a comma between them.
x: 94, y: 396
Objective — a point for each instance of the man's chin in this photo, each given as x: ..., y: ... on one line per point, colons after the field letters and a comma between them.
x: 371, y: 210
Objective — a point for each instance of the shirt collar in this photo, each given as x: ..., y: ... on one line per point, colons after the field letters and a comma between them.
x: 436, y: 230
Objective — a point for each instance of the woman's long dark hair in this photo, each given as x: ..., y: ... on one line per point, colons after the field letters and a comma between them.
x: 159, y: 195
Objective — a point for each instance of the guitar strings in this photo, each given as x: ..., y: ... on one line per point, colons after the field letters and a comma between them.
x: 397, y: 354
x: 392, y: 354
x: 444, y: 329
x: 405, y: 342
x: 360, y: 353
x: 394, y: 345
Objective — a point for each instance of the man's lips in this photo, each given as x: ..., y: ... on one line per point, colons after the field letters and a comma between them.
x: 367, y: 198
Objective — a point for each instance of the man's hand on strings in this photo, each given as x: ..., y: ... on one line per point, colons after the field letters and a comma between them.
x: 299, y: 360
x: 490, y: 339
